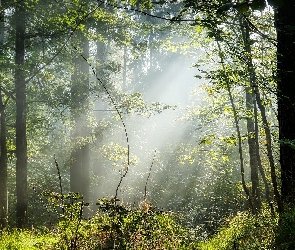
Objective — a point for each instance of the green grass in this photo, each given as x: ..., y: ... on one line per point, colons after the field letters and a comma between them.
x: 245, y: 231
x: 27, y: 239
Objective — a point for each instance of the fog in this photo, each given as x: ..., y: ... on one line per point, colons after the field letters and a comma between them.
x: 153, y: 140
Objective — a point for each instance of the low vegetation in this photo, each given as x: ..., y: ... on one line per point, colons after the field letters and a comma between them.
x: 112, y: 227
x: 116, y: 226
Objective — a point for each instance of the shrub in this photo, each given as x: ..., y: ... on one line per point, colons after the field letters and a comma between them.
x: 245, y: 231
x: 115, y: 226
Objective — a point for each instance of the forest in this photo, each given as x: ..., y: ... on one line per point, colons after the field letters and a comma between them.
x: 139, y: 124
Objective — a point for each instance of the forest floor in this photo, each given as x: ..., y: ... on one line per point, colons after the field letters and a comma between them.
x: 144, y: 228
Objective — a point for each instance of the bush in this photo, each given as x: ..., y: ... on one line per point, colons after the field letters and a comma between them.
x: 115, y: 226
x: 245, y: 231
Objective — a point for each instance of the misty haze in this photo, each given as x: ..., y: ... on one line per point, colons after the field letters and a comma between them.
x: 147, y: 125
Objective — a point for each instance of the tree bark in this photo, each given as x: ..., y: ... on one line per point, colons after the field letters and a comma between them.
x: 277, y: 196
x: 3, y: 167
x: 1, y: 25
x: 80, y: 159
x: 260, y: 167
x: 3, y: 148
x: 21, y: 118
x: 285, y: 25
x: 256, y: 96
x: 252, y: 145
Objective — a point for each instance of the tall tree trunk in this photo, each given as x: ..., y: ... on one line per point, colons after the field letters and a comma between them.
x: 260, y: 167
x: 3, y: 167
x: 242, y: 169
x: 246, y: 190
x: 80, y: 162
x: 250, y: 99
x: 252, y: 147
x: 3, y: 148
x: 254, y: 88
x: 277, y: 196
x: 1, y: 25
x: 21, y: 118
x: 285, y: 23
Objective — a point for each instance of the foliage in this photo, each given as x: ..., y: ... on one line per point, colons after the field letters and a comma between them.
x: 27, y: 239
x: 119, y: 227
x: 245, y: 231
x: 136, y: 50
x: 112, y: 227
x: 286, y: 232
x: 141, y: 228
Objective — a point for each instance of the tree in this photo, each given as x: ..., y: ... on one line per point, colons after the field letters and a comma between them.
x: 80, y: 162
x: 3, y: 166
x: 252, y: 115
x: 3, y: 147
x: 21, y: 117
x: 81, y: 93
x: 285, y: 26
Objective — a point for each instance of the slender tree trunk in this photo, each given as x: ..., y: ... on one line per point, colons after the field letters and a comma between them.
x: 3, y: 167
x: 3, y: 148
x: 277, y: 196
x: 1, y: 25
x: 80, y: 158
x: 240, y: 149
x: 246, y: 190
x: 285, y: 23
x: 261, y: 170
x: 21, y: 118
x: 253, y: 152
x: 253, y: 83
x: 252, y: 140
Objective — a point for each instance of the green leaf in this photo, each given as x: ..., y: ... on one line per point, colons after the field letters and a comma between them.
x: 290, y: 143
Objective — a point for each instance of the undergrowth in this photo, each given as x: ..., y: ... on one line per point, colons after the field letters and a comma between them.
x: 115, y: 226
x: 245, y: 231
x: 27, y: 239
